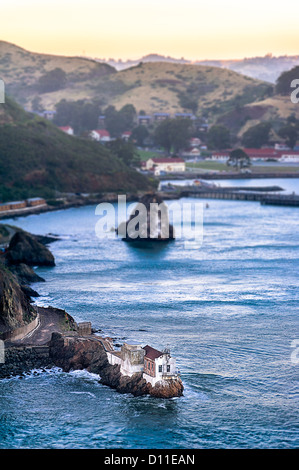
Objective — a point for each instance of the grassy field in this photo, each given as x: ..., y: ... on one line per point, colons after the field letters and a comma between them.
x: 146, y: 154
x: 207, y: 165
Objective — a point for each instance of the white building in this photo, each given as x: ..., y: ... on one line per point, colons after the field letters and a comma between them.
x: 157, y: 366
x: 289, y: 156
x: 167, y: 165
x: 100, y: 135
x: 67, y: 129
x: 219, y: 156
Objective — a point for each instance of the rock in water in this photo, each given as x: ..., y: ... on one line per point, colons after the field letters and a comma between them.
x: 149, y: 221
x: 24, y: 248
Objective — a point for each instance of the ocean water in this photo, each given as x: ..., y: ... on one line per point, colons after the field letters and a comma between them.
x: 228, y: 311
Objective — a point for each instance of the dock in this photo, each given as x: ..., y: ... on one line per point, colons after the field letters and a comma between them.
x: 235, y: 194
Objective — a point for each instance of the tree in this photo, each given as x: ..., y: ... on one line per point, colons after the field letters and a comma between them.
x: 36, y: 104
x: 119, y: 121
x: 125, y: 151
x: 218, y: 137
x: 258, y: 135
x: 52, y: 81
x: 81, y: 116
x: 283, y: 83
x: 238, y: 159
x: 290, y: 133
x: 128, y: 113
x: 173, y: 134
x: 139, y: 134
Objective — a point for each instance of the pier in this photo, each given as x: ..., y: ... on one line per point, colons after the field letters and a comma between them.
x: 235, y: 194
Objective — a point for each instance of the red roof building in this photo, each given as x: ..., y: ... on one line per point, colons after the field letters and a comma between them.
x: 67, y: 129
x: 101, y: 135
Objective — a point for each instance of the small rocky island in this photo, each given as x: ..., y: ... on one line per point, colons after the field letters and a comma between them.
x: 45, y: 337
x: 148, y: 222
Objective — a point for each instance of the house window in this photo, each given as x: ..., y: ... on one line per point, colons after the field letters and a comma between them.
x: 160, y: 369
x: 168, y: 368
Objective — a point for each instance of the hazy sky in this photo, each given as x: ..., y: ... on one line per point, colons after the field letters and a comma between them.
x: 195, y: 29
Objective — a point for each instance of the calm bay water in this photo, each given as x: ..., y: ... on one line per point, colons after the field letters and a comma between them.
x: 228, y: 311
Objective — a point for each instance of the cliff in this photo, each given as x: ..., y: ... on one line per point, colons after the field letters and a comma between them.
x: 16, y: 273
x: 24, y: 248
x: 15, y: 307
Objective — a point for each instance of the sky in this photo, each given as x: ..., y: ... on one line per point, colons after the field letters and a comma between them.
x: 129, y: 29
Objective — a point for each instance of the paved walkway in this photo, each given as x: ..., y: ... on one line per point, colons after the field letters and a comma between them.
x: 49, y: 322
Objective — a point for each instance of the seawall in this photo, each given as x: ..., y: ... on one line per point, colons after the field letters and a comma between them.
x: 20, y: 360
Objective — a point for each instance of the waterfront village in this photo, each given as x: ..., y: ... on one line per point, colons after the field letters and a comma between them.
x: 160, y: 163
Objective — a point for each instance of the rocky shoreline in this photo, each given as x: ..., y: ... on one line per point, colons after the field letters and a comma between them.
x: 57, y: 341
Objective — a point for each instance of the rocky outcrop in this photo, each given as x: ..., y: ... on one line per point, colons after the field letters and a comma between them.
x: 147, y: 223
x: 25, y: 274
x: 73, y: 353
x: 24, y: 248
x: 77, y: 353
x: 15, y: 307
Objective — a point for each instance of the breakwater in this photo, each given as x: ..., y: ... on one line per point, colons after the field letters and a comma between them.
x: 233, y: 194
x: 224, y: 175
x: 20, y: 360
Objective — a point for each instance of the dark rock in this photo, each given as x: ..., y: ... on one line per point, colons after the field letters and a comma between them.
x: 29, y: 291
x: 15, y: 308
x: 25, y: 273
x: 73, y: 353
x: 46, y: 239
x: 24, y: 248
x: 155, y: 227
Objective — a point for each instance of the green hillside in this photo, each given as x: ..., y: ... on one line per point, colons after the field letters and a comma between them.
x: 37, y: 159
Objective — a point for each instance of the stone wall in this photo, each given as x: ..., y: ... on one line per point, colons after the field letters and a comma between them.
x: 20, y: 332
x: 20, y: 360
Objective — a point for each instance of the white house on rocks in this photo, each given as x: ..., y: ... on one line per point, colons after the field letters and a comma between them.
x: 156, y: 366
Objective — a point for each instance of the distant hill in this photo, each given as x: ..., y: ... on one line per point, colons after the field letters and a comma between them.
x: 213, y: 92
x: 38, y: 159
x: 21, y: 71
x: 267, y: 68
x: 152, y: 86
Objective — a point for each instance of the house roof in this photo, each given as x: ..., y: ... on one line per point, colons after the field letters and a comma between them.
x: 65, y: 128
x: 102, y: 132
x: 168, y: 160
x: 152, y: 353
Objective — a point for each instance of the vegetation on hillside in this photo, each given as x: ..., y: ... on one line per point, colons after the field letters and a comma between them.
x: 37, y: 159
x: 81, y: 89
